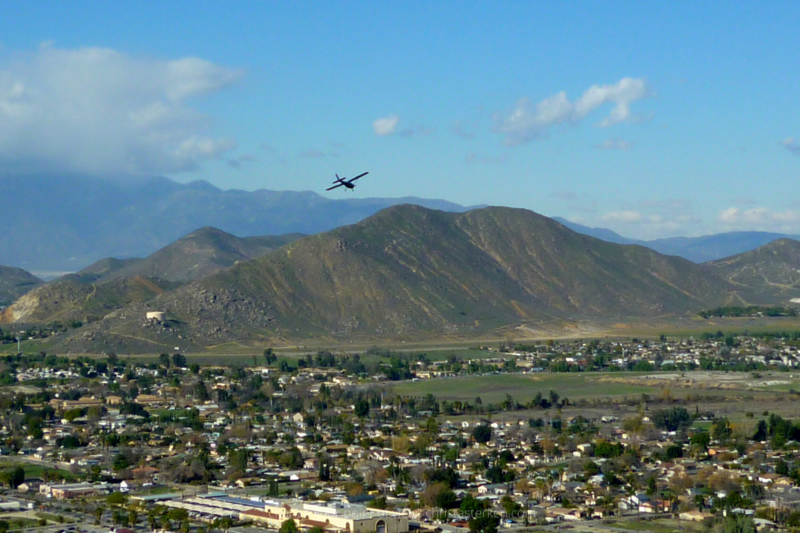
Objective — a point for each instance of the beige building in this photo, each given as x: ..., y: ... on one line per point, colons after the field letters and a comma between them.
x: 73, y: 490
x: 330, y: 518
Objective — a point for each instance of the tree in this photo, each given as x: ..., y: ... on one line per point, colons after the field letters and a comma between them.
x: 482, y: 434
x: 269, y: 356
x: 721, y: 429
x: 238, y: 461
x: 510, y: 507
x: 120, y: 462
x: 163, y: 360
x: 738, y: 523
x: 470, y: 505
x: 761, y: 432
x: 116, y: 498
x: 288, y: 526
x: 496, y: 474
x: 13, y: 477
x: 672, y: 419
x: 362, y: 408
x: 484, y: 522
x: 700, y: 441
x: 178, y: 360
x: 438, y: 495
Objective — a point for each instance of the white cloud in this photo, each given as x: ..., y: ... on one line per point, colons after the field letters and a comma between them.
x: 623, y: 217
x: 527, y: 122
x: 792, y: 145
x: 386, y: 125
x: 614, y: 144
x: 98, y: 111
x: 761, y: 218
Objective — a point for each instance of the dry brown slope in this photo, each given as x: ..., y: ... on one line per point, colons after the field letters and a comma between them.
x: 769, y: 274
x: 409, y: 270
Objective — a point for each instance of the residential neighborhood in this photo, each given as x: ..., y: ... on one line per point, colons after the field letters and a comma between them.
x: 327, y: 442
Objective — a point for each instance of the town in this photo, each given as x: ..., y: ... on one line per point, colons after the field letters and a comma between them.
x: 327, y: 442
x: 388, y: 442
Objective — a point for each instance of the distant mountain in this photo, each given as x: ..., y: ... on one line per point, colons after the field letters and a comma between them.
x: 772, y: 272
x: 65, y: 222
x: 110, y: 284
x: 101, y: 270
x: 14, y: 282
x: 68, y: 301
x: 410, y: 271
x: 192, y: 257
x: 696, y: 249
x: 712, y: 247
x: 599, y: 233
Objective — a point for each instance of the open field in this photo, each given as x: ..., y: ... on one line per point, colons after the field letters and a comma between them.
x: 291, y: 356
x: 620, y: 328
x: 32, y: 469
x: 494, y: 387
x: 733, y: 395
x: 522, y: 387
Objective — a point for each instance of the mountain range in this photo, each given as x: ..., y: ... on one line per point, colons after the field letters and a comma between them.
x: 64, y: 223
x: 411, y: 272
x: 111, y: 283
x: 60, y: 224
x: 696, y: 249
x: 405, y: 272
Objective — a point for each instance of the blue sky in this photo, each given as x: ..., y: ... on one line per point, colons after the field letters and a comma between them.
x: 652, y: 119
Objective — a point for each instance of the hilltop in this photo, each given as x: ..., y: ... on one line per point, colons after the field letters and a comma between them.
x: 14, y: 282
x: 772, y: 272
x: 110, y: 283
x: 409, y: 270
x: 192, y: 257
x: 69, y: 301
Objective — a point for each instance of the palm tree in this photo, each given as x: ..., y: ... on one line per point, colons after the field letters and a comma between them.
x: 541, y: 485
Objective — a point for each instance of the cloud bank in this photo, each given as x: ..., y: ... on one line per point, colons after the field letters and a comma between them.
x: 98, y: 111
x: 761, y: 218
x: 527, y: 121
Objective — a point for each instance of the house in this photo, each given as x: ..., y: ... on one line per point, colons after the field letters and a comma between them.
x: 494, y: 488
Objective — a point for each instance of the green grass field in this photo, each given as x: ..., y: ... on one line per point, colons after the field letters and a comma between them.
x: 33, y: 469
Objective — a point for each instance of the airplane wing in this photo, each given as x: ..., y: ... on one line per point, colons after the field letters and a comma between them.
x: 331, y: 188
x: 359, y: 176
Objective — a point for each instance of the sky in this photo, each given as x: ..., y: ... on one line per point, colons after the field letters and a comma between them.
x: 653, y: 119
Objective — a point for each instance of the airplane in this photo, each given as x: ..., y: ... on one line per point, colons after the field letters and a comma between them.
x: 346, y: 182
